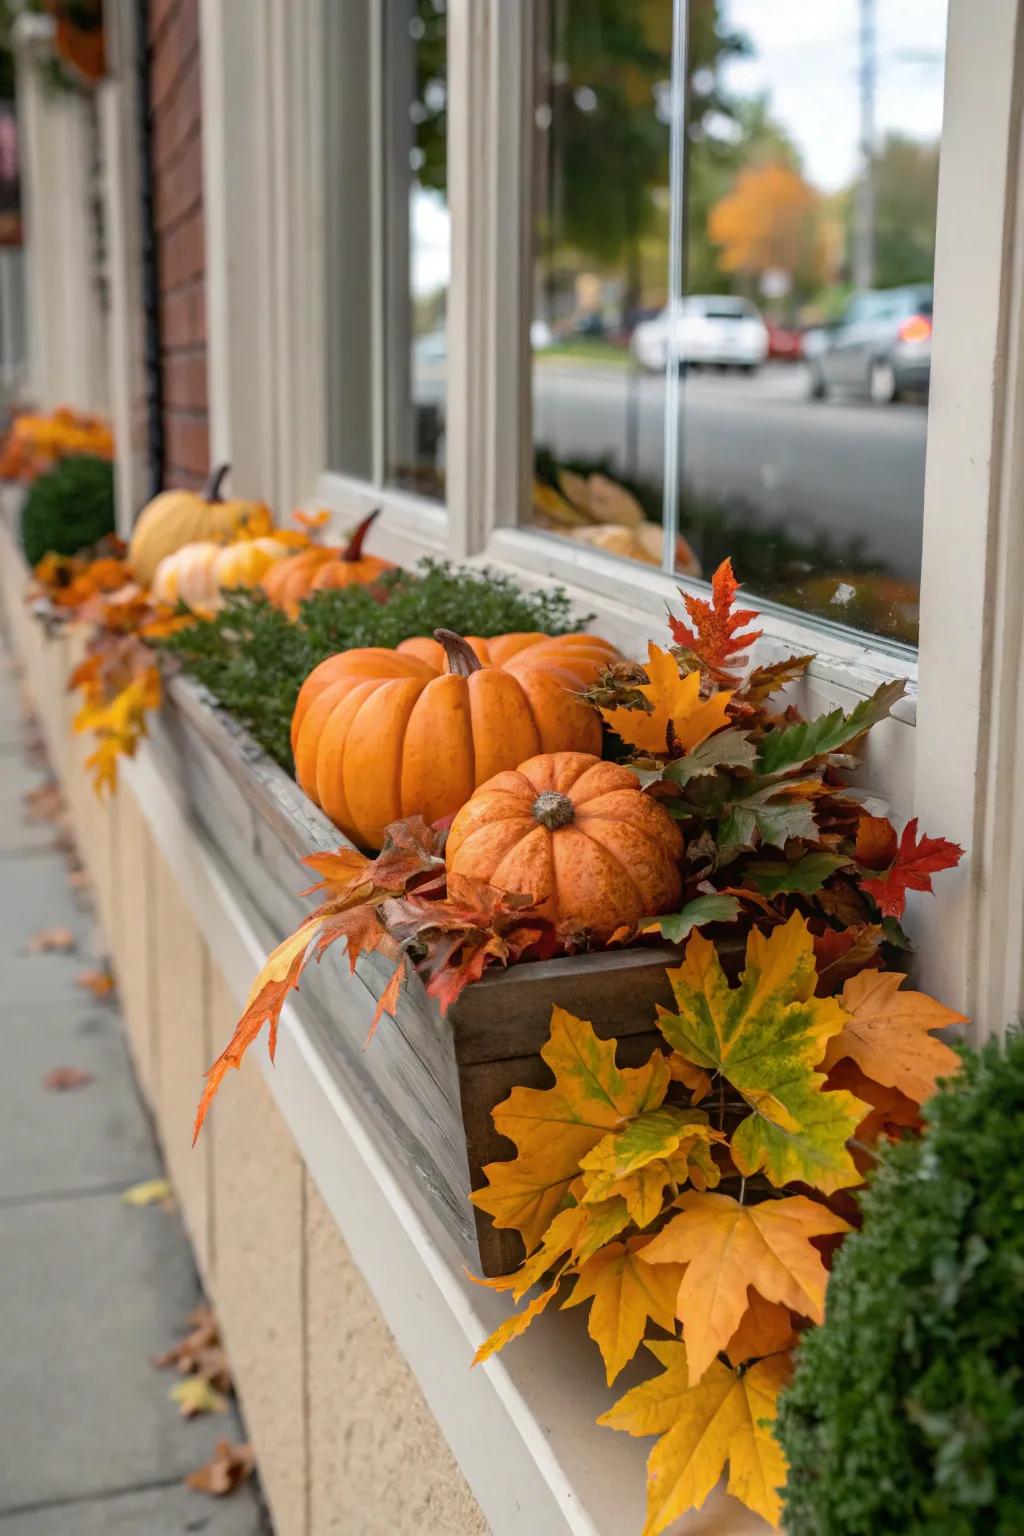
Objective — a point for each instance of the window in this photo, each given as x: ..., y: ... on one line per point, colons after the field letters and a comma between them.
x: 388, y: 241
x: 731, y: 322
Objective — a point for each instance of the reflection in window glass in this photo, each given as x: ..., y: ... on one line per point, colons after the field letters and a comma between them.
x: 803, y: 328
x: 601, y: 219
x: 416, y: 242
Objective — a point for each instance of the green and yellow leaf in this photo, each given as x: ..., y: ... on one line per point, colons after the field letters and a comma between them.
x: 766, y: 1037
x: 553, y: 1128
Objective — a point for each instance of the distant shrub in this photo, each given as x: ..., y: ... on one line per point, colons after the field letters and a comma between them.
x: 68, y: 508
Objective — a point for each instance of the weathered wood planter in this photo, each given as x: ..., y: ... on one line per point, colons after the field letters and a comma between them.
x: 432, y: 1081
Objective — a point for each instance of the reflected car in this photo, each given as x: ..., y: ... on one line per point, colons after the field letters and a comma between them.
x: 713, y: 330
x: 785, y: 343
x: 880, y: 347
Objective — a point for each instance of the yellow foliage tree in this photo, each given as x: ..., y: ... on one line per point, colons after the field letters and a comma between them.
x: 769, y: 221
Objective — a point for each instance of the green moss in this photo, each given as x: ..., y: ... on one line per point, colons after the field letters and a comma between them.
x: 68, y: 508
x: 254, y: 659
x: 906, y: 1414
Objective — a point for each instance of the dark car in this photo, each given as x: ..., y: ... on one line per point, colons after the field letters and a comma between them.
x: 880, y: 347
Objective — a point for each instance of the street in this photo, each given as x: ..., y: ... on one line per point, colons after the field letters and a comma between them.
x: 842, y: 467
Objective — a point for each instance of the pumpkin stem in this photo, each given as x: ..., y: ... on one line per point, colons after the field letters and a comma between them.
x: 463, y: 661
x: 354, y: 548
x: 553, y: 810
x: 214, y: 481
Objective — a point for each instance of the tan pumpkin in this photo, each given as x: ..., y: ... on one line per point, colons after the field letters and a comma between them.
x: 351, y: 567
x: 578, y: 835
x: 176, y: 518
x: 379, y: 735
x: 246, y: 563
x: 197, y: 574
x: 639, y: 541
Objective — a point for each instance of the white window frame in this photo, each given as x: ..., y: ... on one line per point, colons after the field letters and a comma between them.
x: 264, y: 166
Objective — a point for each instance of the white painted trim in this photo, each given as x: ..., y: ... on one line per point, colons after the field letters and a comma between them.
x: 522, y: 1426
x: 968, y: 753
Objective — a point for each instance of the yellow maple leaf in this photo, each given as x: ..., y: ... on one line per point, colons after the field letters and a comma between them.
x: 195, y: 1395
x: 675, y: 702
x: 149, y: 1192
x: 886, y: 1034
x: 766, y: 1037
x: 766, y: 1328
x: 725, y: 1418
x: 553, y: 1128
x: 727, y: 1247
x: 623, y: 1294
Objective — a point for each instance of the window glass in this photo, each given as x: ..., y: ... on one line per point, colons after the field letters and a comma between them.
x: 600, y: 221
x: 386, y: 204
x: 416, y: 242
x: 774, y: 406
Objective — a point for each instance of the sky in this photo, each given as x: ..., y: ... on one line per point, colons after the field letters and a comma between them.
x: 805, y: 56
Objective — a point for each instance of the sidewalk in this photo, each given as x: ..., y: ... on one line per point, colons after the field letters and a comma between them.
x: 92, y: 1288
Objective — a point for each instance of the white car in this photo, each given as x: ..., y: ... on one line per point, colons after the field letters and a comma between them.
x: 713, y: 329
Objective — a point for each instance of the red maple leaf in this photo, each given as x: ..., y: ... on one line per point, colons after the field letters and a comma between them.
x: 714, y: 639
x: 904, y: 866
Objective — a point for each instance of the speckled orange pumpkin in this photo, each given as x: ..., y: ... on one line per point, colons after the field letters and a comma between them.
x: 379, y: 735
x: 577, y: 834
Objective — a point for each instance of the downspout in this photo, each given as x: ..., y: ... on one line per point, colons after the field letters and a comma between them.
x: 148, y: 251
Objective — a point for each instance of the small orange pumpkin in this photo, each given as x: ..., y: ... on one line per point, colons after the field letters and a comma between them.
x: 578, y: 835
x: 289, y: 580
x: 379, y: 735
x: 352, y: 567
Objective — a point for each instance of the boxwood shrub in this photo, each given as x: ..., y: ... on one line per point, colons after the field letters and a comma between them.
x: 68, y: 508
x: 906, y: 1413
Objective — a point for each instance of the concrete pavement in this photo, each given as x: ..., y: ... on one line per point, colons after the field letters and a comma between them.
x: 92, y: 1289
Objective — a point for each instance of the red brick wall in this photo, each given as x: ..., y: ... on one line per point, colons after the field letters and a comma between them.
x: 177, y: 169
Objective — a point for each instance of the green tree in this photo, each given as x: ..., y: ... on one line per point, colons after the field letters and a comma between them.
x: 906, y: 194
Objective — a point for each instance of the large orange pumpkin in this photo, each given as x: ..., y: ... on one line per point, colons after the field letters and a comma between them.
x: 578, y: 835
x: 379, y: 735
x: 352, y: 567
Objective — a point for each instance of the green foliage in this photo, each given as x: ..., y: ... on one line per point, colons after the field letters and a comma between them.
x: 785, y: 750
x: 906, y: 1414
x: 254, y: 659
x: 68, y: 508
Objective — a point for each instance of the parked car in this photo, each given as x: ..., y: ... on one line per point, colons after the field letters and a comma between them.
x: 713, y: 329
x: 785, y: 343
x: 881, y: 346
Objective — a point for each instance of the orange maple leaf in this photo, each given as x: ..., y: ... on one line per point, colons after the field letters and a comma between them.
x: 714, y: 638
x: 887, y: 1034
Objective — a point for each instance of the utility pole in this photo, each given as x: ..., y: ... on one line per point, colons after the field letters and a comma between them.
x: 864, y: 203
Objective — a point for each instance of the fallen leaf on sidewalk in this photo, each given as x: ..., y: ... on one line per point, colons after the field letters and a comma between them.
x: 51, y: 940
x: 149, y: 1192
x: 200, y: 1352
x: 229, y: 1466
x: 63, y: 1078
x: 194, y: 1396
x: 45, y: 803
x: 99, y: 983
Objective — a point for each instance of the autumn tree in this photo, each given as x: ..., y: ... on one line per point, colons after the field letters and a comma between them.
x: 769, y: 221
